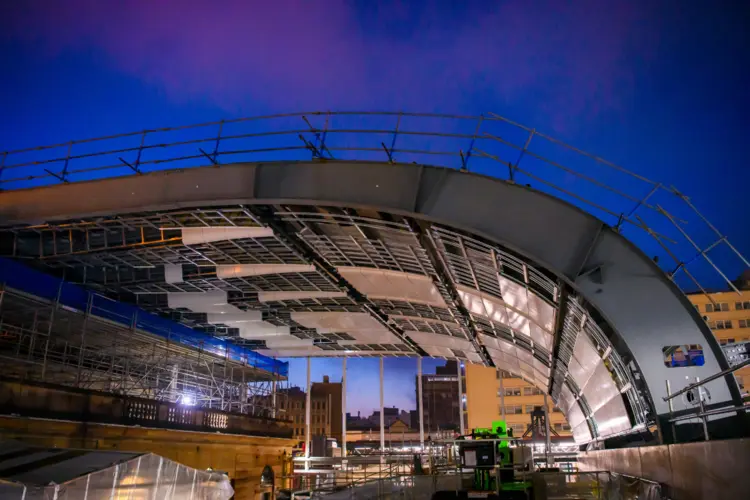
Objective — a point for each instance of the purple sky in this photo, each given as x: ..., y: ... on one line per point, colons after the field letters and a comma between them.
x: 660, y: 87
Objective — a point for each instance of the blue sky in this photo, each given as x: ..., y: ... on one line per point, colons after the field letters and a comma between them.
x: 659, y: 87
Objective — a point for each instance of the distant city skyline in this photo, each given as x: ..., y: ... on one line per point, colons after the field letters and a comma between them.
x: 363, y: 392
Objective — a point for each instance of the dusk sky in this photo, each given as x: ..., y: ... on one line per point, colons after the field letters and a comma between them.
x: 658, y: 86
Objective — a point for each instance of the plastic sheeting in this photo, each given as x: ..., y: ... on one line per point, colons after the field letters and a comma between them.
x: 33, y: 282
x: 143, y: 478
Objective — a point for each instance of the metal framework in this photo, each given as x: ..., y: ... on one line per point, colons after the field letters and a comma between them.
x: 45, y: 341
x: 127, y: 256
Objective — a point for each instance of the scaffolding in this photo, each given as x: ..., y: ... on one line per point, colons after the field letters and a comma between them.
x: 46, y: 341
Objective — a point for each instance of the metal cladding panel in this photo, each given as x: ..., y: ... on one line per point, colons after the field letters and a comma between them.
x: 566, y: 400
x: 518, y: 322
x: 242, y: 270
x: 600, y: 389
x: 585, y: 360
x: 361, y: 326
x: 433, y: 339
x: 541, y: 337
x: 394, y: 285
x: 196, y: 235
x: 541, y: 312
x: 581, y: 433
x: 611, y: 418
x: 513, y: 294
x: 649, y: 312
x: 541, y: 368
x: 262, y: 330
x: 484, y: 305
x: 574, y: 414
x: 293, y: 295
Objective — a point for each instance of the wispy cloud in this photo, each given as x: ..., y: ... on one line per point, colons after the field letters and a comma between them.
x: 572, y: 60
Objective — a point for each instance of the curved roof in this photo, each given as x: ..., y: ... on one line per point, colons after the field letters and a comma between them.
x: 330, y: 258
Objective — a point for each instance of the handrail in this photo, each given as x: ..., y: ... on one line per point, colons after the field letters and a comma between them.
x: 480, y: 143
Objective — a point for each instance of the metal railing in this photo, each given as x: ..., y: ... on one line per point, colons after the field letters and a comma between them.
x: 656, y: 216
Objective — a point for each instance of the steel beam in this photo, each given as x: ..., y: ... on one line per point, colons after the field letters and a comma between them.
x: 307, y: 416
x: 288, y: 235
x: 444, y: 279
x: 420, y: 403
x: 343, y: 407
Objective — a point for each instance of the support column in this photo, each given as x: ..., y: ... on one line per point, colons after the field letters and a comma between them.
x: 307, y: 416
x: 343, y: 407
x: 460, y: 399
x: 502, y: 397
x: 547, y: 446
x: 382, y: 412
x: 420, y: 404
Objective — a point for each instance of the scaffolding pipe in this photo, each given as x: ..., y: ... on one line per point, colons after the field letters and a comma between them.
x: 547, y: 445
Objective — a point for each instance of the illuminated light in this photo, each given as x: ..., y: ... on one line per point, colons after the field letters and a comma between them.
x: 187, y: 400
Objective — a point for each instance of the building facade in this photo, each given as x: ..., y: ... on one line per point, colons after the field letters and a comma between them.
x: 440, y: 399
x: 325, y: 409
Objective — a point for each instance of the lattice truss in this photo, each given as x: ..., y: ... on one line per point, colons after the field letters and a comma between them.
x: 321, y: 281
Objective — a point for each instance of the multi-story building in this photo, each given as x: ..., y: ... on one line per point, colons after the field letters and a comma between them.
x: 728, y: 315
x: 487, y: 392
x: 440, y: 399
x: 325, y: 409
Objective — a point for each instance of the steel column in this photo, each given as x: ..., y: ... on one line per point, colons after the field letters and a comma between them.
x: 307, y: 416
x: 547, y: 445
x: 343, y: 407
x: 460, y: 399
x: 420, y: 404
x: 382, y: 413
x: 502, y: 397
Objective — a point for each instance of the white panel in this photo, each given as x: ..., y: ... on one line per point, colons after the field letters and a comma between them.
x: 519, y: 322
x: 242, y: 270
x: 262, y: 330
x: 288, y: 341
x: 195, y: 235
x: 541, y: 312
x: 315, y: 351
x: 393, y: 285
x: 213, y: 301
x: 361, y: 326
x: 612, y: 418
x: 482, y: 304
x: 513, y: 294
x: 587, y: 359
x: 312, y: 294
x: 173, y: 273
x: 566, y: 400
x: 525, y: 356
x: 600, y: 389
x: 575, y: 415
x: 541, y: 337
x: 581, y: 433
x: 426, y: 339
x: 235, y: 318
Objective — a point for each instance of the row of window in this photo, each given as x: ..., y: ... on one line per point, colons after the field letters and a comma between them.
x: 733, y: 340
x: 520, y: 409
x: 724, y: 306
x: 728, y: 324
x: 517, y: 391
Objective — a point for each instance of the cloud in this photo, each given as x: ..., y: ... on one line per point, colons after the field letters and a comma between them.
x: 570, y: 60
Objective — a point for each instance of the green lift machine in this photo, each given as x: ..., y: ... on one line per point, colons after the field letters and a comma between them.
x: 489, y: 453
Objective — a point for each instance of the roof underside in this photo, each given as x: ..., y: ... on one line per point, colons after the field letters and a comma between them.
x: 325, y: 281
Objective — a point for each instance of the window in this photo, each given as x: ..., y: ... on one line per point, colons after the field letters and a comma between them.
x: 518, y: 429
x: 722, y: 324
x: 531, y: 391
x: 740, y: 306
x: 744, y: 323
x: 676, y: 356
x: 529, y: 408
x: 558, y: 427
x: 565, y: 427
x: 513, y: 410
x: 513, y: 391
x: 730, y: 341
x: 718, y: 307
